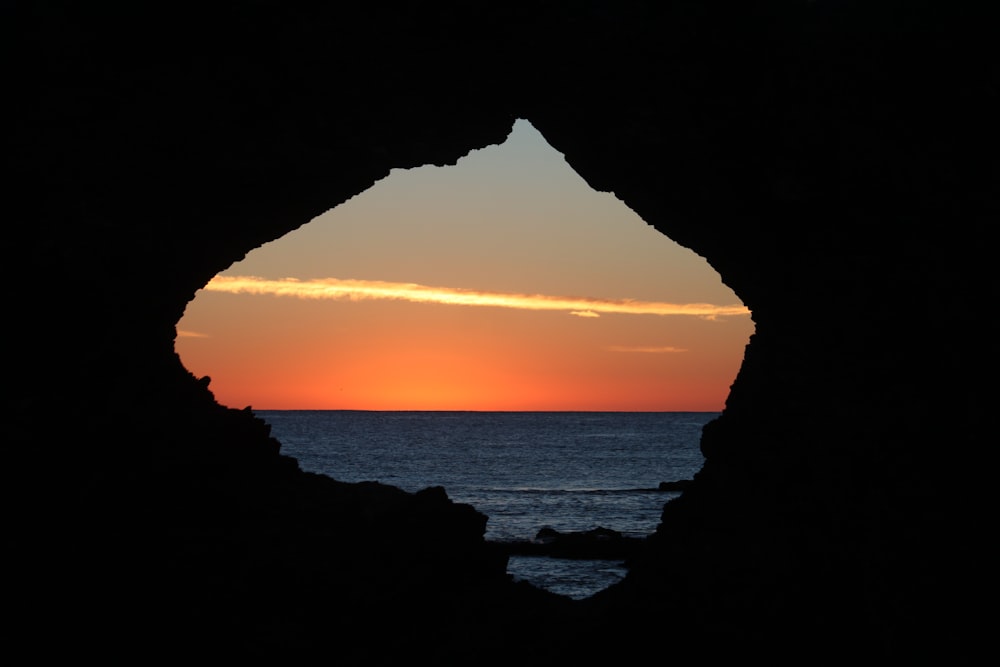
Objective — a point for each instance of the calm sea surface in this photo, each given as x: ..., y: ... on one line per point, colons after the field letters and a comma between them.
x: 569, y: 471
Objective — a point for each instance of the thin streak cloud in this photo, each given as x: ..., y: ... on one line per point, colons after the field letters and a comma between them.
x: 191, y: 334
x: 666, y: 349
x: 359, y: 290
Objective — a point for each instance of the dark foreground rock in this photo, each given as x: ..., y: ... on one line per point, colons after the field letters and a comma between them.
x: 598, y: 543
x: 679, y: 485
x: 835, y: 161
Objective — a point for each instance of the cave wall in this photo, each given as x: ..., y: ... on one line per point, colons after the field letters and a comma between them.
x: 835, y: 162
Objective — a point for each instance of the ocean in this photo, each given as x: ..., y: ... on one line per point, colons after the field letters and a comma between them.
x: 570, y: 471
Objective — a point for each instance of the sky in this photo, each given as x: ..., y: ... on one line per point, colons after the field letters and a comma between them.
x: 503, y: 282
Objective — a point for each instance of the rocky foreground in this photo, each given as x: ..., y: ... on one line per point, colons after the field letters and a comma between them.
x: 835, y: 162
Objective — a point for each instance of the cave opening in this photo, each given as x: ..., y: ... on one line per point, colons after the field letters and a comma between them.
x: 498, y: 286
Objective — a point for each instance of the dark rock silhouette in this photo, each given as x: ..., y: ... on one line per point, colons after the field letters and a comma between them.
x: 679, y: 485
x: 835, y: 161
x: 597, y: 543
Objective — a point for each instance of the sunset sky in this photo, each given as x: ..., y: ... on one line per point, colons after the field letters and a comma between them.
x: 500, y: 283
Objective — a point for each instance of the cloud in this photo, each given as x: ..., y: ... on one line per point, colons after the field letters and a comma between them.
x: 359, y: 290
x: 666, y: 349
x: 191, y: 334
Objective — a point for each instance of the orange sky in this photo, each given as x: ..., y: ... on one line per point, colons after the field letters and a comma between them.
x: 501, y: 283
